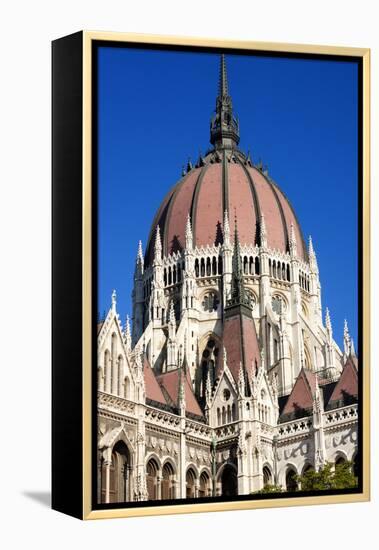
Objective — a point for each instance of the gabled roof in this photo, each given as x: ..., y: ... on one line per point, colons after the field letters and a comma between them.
x: 153, y: 390
x: 241, y: 344
x: 99, y: 327
x: 346, y: 389
x: 300, y: 400
x: 169, y: 381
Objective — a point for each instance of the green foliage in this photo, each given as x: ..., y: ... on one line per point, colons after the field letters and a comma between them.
x: 269, y: 489
x: 340, y: 476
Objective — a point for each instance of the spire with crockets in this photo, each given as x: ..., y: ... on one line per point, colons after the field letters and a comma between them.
x: 224, y: 126
x: 238, y: 291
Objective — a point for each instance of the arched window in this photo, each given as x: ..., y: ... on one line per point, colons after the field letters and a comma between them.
x: 291, y: 483
x: 119, y: 482
x: 168, y: 484
x: 100, y: 379
x: 210, y: 302
x: 174, y: 274
x: 204, y: 488
x: 218, y: 416
x: 229, y: 481
x: 107, y: 370
x: 190, y: 483
x: 267, y: 476
x: 197, y: 268
x: 340, y: 461
x: 120, y: 374
x: 223, y: 415
x: 151, y: 479
x: 169, y: 276
x: 202, y: 268
x: 288, y: 273
x: 234, y: 416
x: 209, y: 272
x: 165, y: 276
x: 251, y: 265
x: 114, y: 364
x: 270, y: 268
x: 214, y: 266
x: 126, y: 388
x: 219, y: 265
x: 257, y: 266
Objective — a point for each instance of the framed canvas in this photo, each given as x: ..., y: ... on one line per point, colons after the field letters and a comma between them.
x: 210, y: 275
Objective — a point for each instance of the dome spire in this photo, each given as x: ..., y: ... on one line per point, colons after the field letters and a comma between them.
x: 224, y: 126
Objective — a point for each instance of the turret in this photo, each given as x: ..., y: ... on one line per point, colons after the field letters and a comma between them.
x: 138, y: 297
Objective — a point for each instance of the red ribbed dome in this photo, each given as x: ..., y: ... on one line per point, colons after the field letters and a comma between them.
x: 225, y: 180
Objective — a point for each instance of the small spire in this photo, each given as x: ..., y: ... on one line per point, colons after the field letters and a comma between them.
x: 263, y: 231
x: 312, y: 255
x: 181, y: 391
x: 139, y: 262
x: 158, y: 244
x: 241, y: 381
x: 292, y: 241
x: 328, y: 322
x: 172, y: 319
x: 208, y: 392
x: 226, y: 228
x: 189, y: 235
x: 352, y: 348
x: 189, y: 165
x: 346, y: 339
x: 127, y: 334
x: 238, y: 292
x: 114, y: 301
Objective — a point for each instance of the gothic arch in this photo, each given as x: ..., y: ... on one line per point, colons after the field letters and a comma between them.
x: 153, y: 456
x: 268, y: 476
x: 152, y: 477
x: 290, y: 478
x: 192, y: 477
x: 340, y: 457
x: 227, y: 476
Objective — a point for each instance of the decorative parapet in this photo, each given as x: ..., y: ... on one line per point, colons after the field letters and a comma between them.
x: 115, y: 403
x: 294, y: 428
x: 341, y: 416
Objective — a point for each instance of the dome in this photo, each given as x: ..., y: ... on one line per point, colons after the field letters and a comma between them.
x: 225, y: 180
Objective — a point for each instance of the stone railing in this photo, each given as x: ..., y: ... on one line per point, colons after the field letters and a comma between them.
x: 115, y: 403
x: 340, y: 416
x: 227, y: 430
x: 295, y: 427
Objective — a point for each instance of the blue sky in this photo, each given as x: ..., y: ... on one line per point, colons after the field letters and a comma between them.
x: 299, y: 116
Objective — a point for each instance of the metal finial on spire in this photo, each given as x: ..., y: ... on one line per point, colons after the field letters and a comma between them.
x: 223, y: 82
x: 224, y: 125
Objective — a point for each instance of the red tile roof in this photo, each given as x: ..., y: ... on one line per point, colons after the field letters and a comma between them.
x: 153, y: 390
x: 170, y: 382
x: 241, y: 344
x: 301, y: 396
x: 347, y: 386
